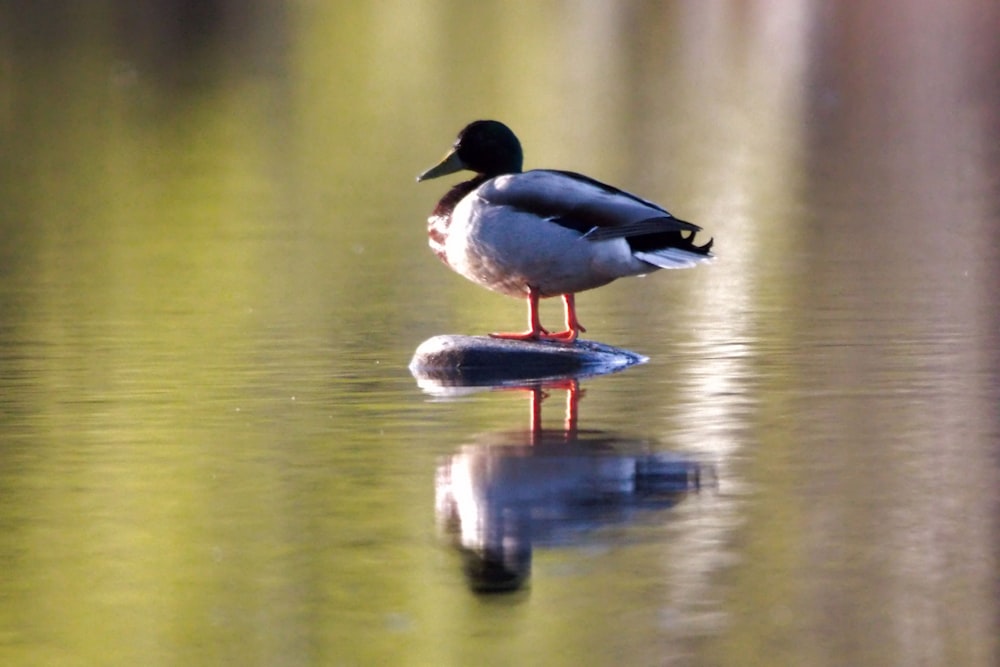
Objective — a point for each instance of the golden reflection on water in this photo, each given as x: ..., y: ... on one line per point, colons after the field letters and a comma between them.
x: 214, y: 271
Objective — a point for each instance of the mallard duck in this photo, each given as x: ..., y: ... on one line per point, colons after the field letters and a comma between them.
x: 545, y: 233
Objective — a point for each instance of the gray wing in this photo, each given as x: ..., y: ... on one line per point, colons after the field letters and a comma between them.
x: 596, y: 210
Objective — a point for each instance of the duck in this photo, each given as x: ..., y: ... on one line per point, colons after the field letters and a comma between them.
x: 546, y: 233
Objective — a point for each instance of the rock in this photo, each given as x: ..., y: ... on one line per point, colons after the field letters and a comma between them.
x: 454, y: 360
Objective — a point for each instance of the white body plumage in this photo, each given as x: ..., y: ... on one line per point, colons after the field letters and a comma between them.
x: 503, y: 236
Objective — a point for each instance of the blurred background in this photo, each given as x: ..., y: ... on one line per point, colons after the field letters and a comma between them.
x: 214, y: 271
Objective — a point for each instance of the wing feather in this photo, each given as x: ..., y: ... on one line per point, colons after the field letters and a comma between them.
x: 596, y: 210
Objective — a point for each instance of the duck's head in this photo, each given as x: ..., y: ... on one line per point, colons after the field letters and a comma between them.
x: 487, y: 147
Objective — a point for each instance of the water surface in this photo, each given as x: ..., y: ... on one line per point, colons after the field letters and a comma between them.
x: 214, y: 272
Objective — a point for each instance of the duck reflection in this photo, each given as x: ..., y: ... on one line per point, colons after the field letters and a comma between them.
x: 509, y: 492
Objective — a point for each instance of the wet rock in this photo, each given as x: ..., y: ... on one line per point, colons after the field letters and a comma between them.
x: 481, y: 360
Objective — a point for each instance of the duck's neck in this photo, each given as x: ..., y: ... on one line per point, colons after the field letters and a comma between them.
x: 455, y: 195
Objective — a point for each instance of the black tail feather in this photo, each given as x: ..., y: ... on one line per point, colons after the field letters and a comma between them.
x: 662, y: 240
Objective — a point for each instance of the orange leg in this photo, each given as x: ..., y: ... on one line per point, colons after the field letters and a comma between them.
x: 535, y: 329
x: 573, y: 326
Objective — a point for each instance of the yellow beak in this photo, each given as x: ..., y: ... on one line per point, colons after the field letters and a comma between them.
x: 449, y: 165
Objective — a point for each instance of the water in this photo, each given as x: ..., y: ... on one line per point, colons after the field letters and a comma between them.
x: 214, y: 273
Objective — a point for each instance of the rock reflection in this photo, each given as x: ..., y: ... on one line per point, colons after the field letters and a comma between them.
x: 508, y: 492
